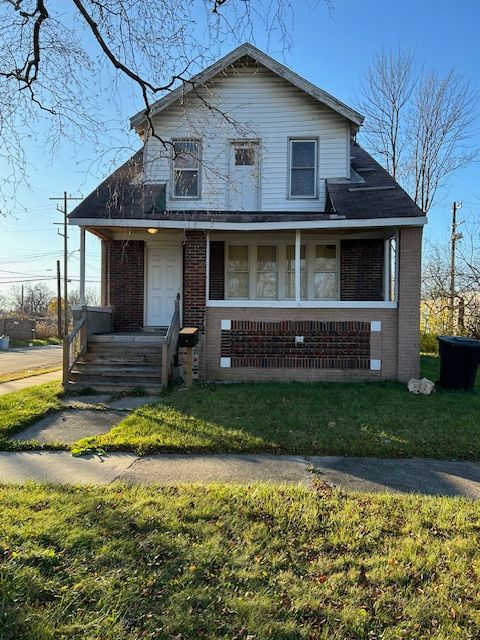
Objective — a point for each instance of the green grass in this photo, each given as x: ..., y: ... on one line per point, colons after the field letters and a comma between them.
x: 226, y: 562
x: 36, y: 342
x: 27, y: 373
x: 357, y: 419
x: 21, y: 408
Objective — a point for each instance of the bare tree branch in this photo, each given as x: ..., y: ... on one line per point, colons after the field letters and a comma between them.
x: 420, y: 125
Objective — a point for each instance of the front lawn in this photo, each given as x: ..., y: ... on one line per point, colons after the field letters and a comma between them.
x: 356, y: 419
x: 226, y: 562
x: 21, y: 408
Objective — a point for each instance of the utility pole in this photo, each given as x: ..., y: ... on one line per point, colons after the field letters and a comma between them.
x: 22, y: 307
x: 455, y: 237
x: 59, y: 302
x: 66, y: 200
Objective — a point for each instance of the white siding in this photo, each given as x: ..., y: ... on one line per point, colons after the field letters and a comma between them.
x: 262, y: 107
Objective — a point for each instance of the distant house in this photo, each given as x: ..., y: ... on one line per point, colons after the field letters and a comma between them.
x: 295, y: 254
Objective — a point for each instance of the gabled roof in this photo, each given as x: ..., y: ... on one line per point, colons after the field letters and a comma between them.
x: 372, y: 192
x: 262, y: 58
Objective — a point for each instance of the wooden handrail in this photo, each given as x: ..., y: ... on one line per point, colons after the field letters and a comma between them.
x: 170, y: 344
x: 75, y: 330
x: 70, y: 354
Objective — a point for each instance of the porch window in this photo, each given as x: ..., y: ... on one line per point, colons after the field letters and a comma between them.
x: 261, y: 271
x: 237, y: 271
x: 303, y: 169
x: 267, y: 272
x: 290, y: 272
x: 325, y: 272
x: 186, y: 169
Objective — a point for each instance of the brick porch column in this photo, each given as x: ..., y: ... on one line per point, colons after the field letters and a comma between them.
x: 125, y: 261
x: 194, y: 279
x: 409, y: 281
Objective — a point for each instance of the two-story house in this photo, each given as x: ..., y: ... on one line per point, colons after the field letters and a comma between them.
x: 295, y: 254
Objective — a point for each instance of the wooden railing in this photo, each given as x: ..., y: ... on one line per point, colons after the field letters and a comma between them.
x: 74, y: 345
x: 169, y: 345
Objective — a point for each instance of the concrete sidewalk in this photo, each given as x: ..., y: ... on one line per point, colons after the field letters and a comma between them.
x: 430, y: 477
x: 31, y: 381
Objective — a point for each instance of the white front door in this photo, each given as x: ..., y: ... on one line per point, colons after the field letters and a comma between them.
x: 164, y: 281
x: 244, y: 177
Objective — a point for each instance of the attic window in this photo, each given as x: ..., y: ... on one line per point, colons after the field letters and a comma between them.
x: 186, y: 169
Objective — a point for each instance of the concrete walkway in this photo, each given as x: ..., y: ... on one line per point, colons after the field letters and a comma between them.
x: 31, y: 381
x: 431, y: 477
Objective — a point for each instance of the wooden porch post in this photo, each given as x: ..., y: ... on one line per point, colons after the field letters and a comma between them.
x: 82, y: 266
x: 298, y: 240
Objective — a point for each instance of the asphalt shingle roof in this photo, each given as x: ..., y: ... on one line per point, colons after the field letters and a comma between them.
x: 378, y: 196
x: 371, y: 193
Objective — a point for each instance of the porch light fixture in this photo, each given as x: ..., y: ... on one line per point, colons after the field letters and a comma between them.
x: 152, y: 230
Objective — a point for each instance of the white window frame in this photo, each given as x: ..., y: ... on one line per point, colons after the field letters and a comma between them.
x: 226, y: 271
x: 291, y: 141
x: 281, y: 246
x: 198, y: 195
x: 254, y: 271
x: 304, y: 243
x: 311, y: 269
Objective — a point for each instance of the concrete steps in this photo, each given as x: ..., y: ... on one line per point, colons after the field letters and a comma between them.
x: 120, y: 363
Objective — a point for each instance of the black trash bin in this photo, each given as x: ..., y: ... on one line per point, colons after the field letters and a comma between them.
x: 459, y: 359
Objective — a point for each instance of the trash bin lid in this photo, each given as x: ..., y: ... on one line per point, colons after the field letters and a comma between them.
x: 460, y: 341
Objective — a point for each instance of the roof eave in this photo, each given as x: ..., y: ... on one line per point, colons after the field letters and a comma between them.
x: 141, y: 223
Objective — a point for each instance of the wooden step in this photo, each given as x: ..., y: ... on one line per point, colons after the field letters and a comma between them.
x: 127, y: 339
x: 120, y: 360
x: 131, y: 381
x: 106, y: 347
x: 117, y: 387
x: 123, y: 371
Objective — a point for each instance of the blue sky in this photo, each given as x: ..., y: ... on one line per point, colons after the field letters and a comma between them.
x: 331, y: 49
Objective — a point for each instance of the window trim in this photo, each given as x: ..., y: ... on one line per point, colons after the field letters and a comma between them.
x: 311, y: 270
x: 198, y: 195
x: 315, y: 182
x: 226, y: 272
x: 281, y: 245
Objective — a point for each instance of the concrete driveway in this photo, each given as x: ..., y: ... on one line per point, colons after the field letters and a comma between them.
x: 30, y: 358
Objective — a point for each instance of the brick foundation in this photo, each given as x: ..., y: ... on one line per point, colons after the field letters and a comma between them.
x: 361, y: 269
x: 326, y: 345
x: 124, y: 283
x: 382, y: 345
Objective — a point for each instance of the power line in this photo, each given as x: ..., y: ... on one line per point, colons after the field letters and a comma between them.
x: 44, y: 279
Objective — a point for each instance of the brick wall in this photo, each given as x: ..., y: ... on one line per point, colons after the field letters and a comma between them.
x: 383, y: 344
x: 324, y: 345
x: 194, y: 279
x: 125, y: 261
x: 409, y: 281
x: 217, y: 270
x: 361, y: 269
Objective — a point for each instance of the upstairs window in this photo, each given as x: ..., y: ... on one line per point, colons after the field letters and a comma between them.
x: 186, y: 169
x: 303, y: 169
